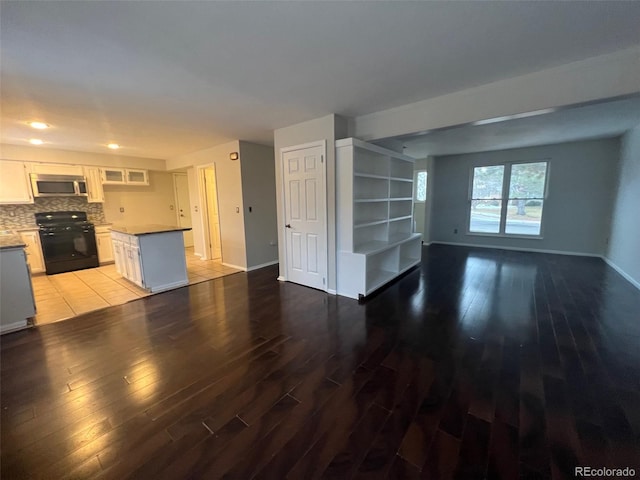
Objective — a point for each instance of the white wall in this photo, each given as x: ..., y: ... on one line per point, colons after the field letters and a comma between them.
x: 259, y: 199
x: 576, y: 215
x: 230, y: 203
x: 624, y: 242
x: 142, y: 205
x: 599, y: 77
x: 53, y: 155
x: 328, y: 128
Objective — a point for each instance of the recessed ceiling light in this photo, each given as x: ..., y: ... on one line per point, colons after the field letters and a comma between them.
x: 113, y: 146
x: 36, y: 141
x: 39, y: 125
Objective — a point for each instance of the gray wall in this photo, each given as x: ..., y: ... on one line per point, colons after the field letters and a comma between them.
x: 624, y: 243
x: 576, y: 218
x: 259, y: 195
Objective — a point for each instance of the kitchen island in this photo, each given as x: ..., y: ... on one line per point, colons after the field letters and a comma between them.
x: 151, y: 256
x: 17, y: 302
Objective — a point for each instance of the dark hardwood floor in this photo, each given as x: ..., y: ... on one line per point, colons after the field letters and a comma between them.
x: 479, y: 364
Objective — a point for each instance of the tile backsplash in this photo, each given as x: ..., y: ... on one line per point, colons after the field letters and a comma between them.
x: 16, y: 216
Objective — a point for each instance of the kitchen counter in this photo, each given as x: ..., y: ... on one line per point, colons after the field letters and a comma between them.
x: 151, y: 256
x: 147, y: 229
x: 10, y: 240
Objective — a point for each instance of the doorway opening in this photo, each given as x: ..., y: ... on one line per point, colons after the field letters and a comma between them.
x: 210, y: 214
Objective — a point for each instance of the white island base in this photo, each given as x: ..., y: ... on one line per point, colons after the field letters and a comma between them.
x: 151, y: 256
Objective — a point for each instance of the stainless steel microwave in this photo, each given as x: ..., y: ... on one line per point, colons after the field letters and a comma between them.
x: 45, y: 185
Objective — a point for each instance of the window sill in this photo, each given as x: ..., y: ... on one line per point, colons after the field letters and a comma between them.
x: 505, y: 235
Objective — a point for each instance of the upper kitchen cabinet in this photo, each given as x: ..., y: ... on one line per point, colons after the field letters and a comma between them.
x: 95, y: 192
x: 124, y: 176
x: 14, y: 182
x: 113, y: 176
x: 137, y: 177
x: 55, y: 169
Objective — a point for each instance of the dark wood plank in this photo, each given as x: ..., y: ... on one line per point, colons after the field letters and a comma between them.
x: 480, y: 363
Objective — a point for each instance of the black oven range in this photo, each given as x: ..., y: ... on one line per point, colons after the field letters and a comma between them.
x: 68, y: 241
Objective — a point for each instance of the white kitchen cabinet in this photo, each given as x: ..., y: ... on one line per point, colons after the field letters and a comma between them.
x: 15, y: 186
x: 33, y: 250
x: 124, y: 176
x: 95, y: 192
x: 153, y: 260
x: 56, y: 169
x: 113, y: 176
x: 104, y: 244
x: 375, y: 238
x: 118, y: 256
x: 137, y: 177
x: 133, y: 263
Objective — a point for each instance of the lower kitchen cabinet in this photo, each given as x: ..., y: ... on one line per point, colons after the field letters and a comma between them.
x: 33, y: 250
x: 154, y: 261
x: 104, y: 244
x: 17, y: 303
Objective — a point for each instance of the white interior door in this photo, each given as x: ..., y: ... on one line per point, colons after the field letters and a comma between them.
x: 212, y: 212
x: 305, y: 216
x: 183, y: 206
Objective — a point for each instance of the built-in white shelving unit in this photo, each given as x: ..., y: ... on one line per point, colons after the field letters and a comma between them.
x: 376, y: 242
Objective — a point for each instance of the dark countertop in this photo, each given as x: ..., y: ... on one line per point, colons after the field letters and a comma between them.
x: 148, y: 229
x: 11, y: 241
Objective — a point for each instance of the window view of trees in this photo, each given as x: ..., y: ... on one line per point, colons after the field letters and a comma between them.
x: 421, y: 186
x: 521, y: 212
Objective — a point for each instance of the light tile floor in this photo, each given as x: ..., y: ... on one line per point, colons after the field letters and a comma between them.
x: 66, y: 295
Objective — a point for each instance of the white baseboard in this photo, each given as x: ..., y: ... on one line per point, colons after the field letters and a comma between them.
x: 520, y: 249
x: 244, y: 269
x: 14, y: 327
x: 626, y: 276
x: 170, y: 286
x: 331, y: 291
x: 281, y: 279
x: 262, y: 265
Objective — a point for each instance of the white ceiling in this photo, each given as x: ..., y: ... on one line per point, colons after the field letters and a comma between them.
x: 167, y: 78
x: 608, y: 119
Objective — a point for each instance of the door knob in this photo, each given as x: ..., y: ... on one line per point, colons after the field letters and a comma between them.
x: 288, y: 225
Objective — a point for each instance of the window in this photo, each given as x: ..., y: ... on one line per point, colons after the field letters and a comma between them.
x: 508, y: 199
x: 421, y: 186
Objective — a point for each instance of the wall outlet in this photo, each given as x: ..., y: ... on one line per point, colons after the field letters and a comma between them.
x: 273, y: 243
x: 455, y: 230
x: 237, y: 209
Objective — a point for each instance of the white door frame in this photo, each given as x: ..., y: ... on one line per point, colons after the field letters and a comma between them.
x: 177, y: 202
x: 204, y: 212
x: 322, y: 144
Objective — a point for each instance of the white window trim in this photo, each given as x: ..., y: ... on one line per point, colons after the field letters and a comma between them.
x: 506, y: 181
